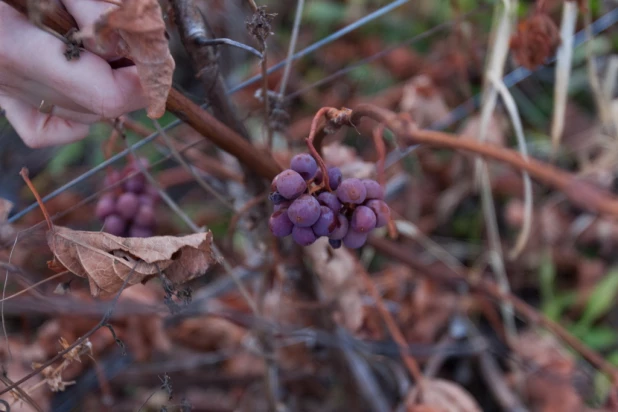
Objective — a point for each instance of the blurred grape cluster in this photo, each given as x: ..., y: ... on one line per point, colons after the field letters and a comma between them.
x: 129, y: 210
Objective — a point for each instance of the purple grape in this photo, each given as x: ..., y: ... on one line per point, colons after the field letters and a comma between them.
x: 381, y: 210
x: 334, y: 177
x: 304, y: 211
x: 140, y: 231
x: 330, y: 200
x: 290, y: 184
x: 145, y: 216
x: 276, y: 198
x: 127, y: 205
x: 106, y: 206
x: 326, y: 222
x: 146, y: 199
x: 342, y: 228
x: 135, y: 184
x: 305, y: 165
x: 374, y: 190
x: 304, y: 236
x: 282, y: 205
x: 354, y: 239
x: 114, y: 225
x: 352, y: 191
x: 363, y: 219
x: 335, y: 244
x: 280, y: 224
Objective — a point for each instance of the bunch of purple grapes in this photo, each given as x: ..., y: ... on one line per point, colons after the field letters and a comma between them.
x: 305, y: 209
x: 128, y: 211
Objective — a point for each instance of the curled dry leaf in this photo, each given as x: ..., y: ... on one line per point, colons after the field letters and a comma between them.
x: 337, y: 273
x: 537, y: 38
x: 440, y: 395
x: 107, y: 260
x: 140, y: 25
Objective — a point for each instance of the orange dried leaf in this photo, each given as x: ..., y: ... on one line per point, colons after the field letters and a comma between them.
x: 140, y: 24
x: 107, y: 260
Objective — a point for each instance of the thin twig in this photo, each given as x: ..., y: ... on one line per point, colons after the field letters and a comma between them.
x: 300, y: 4
x: 222, y: 40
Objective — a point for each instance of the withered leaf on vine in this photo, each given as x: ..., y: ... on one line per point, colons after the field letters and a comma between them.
x: 142, y: 29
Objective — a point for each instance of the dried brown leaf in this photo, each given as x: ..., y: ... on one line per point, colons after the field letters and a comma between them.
x: 140, y: 24
x: 440, y: 395
x: 107, y: 260
x: 423, y: 101
x: 337, y: 273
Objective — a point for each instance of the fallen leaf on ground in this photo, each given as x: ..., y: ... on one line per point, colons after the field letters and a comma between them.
x: 140, y: 25
x: 440, y: 395
x: 107, y: 260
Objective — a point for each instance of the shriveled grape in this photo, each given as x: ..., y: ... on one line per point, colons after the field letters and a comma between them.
x: 304, y: 211
x: 305, y: 165
x: 335, y: 244
x: 276, y: 198
x: 341, y: 229
x: 352, y: 191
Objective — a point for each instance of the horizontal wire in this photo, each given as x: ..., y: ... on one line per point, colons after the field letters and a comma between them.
x: 320, y: 43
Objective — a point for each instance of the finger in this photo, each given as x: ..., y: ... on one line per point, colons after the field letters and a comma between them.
x: 86, y: 13
x: 40, y: 130
x: 89, y: 81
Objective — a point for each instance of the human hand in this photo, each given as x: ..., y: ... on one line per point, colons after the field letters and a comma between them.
x: 49, y: 100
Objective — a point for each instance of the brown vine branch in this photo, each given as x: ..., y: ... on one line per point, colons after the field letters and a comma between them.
x: 579, y: 192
